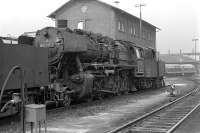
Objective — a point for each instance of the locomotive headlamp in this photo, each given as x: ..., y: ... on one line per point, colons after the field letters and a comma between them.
x: 42, y: 88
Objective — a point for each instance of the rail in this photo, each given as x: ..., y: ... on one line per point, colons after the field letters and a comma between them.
x: 129, y: 124
x: 183, y: 119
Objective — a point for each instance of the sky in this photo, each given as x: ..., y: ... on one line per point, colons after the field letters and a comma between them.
x: 179, y: 20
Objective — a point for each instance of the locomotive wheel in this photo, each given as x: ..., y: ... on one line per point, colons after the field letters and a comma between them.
x: 117, y: 85
x: 124, y: 83
x: 122, y: 86
x: 90, y: 98
x: 67, y: 100
x: 98, y: 85
x: 163, y: 83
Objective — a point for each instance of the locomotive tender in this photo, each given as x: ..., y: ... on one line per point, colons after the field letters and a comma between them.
x: 81, y: 65
x: 33, y: 62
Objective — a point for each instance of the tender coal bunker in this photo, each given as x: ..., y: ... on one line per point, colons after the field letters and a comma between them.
x: 25, y: 40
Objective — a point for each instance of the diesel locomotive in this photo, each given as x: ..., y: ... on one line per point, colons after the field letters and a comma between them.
x: 62, y: 66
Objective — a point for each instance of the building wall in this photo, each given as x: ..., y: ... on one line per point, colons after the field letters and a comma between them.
x: 97, y: 17
x: 130, y: 30
x: 101, y: 18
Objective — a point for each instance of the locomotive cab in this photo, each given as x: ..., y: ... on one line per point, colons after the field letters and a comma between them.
x: 139, y: 71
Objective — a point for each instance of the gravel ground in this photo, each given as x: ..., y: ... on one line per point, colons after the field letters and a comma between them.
x: 191, y: 124
x: 102, y: 116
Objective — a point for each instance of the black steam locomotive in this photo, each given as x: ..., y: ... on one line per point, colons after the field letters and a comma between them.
x: 62, y: 65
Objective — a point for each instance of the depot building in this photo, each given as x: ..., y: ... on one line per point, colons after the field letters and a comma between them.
x: 99, y: 17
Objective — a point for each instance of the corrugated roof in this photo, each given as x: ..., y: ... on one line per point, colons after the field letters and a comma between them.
x: 53, y: 14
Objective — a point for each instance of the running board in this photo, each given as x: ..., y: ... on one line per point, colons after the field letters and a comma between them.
x: 107, y: 91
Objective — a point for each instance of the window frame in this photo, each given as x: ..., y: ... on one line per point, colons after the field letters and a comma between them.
x: 121, y: 26
x: 80, y: 22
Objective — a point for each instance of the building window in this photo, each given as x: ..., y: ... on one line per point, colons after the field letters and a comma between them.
x: 121, y: 26
x: 152, y: 36
x: 143, y: 34
x: 134, y: 32
x: 146, y: 35
x: 149, y: 36
x: 80, y: 25
x: 131, y: 30
x: 123, y: 29
x: 137, y: 31
x: 62, y: 23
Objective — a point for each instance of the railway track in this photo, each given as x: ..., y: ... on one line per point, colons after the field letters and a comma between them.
x: 164, y: 119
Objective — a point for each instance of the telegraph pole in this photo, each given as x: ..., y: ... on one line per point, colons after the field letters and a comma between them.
x: 195, y: 49
x: 140, y: 6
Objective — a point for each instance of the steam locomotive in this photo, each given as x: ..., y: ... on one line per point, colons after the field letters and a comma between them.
x: 62, y: 66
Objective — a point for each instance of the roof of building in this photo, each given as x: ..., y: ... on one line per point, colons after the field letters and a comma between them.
x: 53, y: 14
x: 172, y: 59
